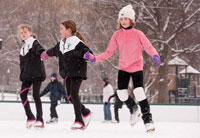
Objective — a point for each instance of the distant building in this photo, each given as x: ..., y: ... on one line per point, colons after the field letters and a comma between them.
x: 183, y: 86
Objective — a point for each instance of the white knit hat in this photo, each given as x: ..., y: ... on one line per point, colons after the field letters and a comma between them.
x: 128, y: 12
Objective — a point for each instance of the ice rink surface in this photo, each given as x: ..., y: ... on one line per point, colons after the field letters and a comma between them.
x: 96, y: 129
x: 12, y: 125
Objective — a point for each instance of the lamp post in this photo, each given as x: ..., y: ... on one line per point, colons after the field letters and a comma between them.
x: 8, y: 72
x: 1, y: 41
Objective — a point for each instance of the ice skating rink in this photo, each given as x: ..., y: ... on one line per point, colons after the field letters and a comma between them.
x: 170, y: 122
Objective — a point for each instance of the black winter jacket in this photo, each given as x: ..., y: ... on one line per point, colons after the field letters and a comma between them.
x: 56, y: 90
x: 70, y: 52
x: 31, y: 65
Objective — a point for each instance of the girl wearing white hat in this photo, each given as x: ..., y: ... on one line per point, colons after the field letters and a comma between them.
x: 130, y: 43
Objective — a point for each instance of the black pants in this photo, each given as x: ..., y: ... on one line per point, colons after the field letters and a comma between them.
x: 36, y: 95
x: 73, y: 85
x: 137, y: 77
x: 118, y: 105
x: 53, y: 112
x: 123, y: 81
x: 116, y: 114
x: 124, y: 77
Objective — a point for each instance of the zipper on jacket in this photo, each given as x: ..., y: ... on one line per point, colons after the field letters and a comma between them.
x: 23, y: 49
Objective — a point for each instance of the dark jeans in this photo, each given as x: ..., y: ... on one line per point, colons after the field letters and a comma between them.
x: 36, y: 95
x: 53, y: 111
x: 107, y: 112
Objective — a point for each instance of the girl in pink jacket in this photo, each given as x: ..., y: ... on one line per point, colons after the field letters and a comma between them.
x: 130, y: 43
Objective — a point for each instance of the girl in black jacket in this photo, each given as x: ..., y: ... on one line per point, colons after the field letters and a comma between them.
x: 72, y: 52
x: 32, y: 73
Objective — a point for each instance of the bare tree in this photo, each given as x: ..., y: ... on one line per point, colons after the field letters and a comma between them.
x: 166, y: 23
x: 167, y: 20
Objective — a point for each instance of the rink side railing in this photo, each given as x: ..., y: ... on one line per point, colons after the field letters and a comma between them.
x: 11, y: 94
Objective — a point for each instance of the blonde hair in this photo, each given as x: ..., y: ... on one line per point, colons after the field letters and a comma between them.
x: 119, y: 26
x: 28, y: 27
x: 72, y: 25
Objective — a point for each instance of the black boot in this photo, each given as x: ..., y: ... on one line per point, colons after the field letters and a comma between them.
x: 116, y: 114
x: 145, y: 109
x: 131, y: 104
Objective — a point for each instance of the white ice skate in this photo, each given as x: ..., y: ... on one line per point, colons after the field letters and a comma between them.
x: 106, y: 121
x: 77, y: 125
x: 52, y: 121
x: 135, y: 117
x: 29, y: 124
x: 114, y: 121
x: 149, y: 127
x: 87, y: 118
x: 38, y: 125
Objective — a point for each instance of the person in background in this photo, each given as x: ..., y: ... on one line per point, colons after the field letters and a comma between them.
x: 56, y: 90
x: 107, y: 92
x: 118, y: 105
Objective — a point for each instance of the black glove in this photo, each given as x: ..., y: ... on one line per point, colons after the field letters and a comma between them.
x: 106, y: 103
x: 66, y: 100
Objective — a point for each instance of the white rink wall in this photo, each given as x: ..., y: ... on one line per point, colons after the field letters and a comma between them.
x: 161, y: 113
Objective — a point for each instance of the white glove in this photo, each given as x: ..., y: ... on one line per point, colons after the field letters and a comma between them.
x: 59, y: 102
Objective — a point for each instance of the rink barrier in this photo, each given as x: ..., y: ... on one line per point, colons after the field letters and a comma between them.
x: 48, y: 102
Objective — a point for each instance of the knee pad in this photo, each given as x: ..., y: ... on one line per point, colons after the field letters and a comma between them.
x: 122, y: 94
x: 139, y: 94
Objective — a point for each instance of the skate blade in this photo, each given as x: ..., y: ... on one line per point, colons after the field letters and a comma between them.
x: 38, y: 128
x: 133, y: 124
x: 115, y: 122
x: 29, y: 127
x: 88, y: 121
x: 77, y: 128
x: 51, y: 122
x: 150, y: 131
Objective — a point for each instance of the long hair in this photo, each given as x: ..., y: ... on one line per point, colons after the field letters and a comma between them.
x: 119, y: 26
x: 72, y: 25
x: 28, y: 27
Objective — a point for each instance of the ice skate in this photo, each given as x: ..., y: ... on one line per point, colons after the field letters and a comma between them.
x: 77, y: 125
x: 38, y: 125
x: 149, y: 127
x: 87, y: 118
x: 106, y: 121
x: 114, y: 121
x: 29, y: 124
x: 52, y: 120
x: 135, y: 116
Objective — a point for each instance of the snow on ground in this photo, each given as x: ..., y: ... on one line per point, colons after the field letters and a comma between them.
x: 12, y: 123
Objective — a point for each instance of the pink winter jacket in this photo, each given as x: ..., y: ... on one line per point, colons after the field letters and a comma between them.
x: 130, y: 44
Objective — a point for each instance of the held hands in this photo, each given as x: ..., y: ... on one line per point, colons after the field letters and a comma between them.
x: 90, y: 57
x: 44, y: 56
x: 156, y: 59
